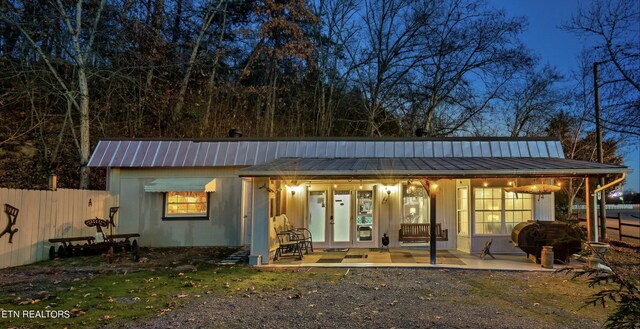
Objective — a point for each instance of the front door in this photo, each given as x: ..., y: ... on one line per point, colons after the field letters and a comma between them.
x: 318, y: 216
x: 342, y: 216
x: 341, y: 219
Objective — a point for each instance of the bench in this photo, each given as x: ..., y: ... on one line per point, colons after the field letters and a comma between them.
x: 420, y: 233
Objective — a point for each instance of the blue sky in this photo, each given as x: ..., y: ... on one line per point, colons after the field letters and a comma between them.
x: 561, y: 49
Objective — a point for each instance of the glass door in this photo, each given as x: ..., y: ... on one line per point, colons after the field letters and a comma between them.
x: 364, y: 216
x: 318, y: 215
x: 341, y: 219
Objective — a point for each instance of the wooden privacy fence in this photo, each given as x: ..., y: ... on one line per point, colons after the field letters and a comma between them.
x: 632, y: 234
x: 44, y: 215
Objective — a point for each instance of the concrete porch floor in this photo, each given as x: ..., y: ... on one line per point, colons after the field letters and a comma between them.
x: 412, y: 258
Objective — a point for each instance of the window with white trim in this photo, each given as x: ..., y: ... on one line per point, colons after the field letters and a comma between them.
x: 415, y: 204
x: 517, y: 209
x: 463, y: 210
x: 498, y: 212
x: 186, y: 205
x: 488, y: 210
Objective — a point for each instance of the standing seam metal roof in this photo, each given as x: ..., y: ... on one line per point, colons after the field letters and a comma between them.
x: 397, y: 167
x: 239, y: 152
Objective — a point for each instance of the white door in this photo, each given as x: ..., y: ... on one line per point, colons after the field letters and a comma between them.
x: 341, y: 219
x: 318, y: 215
x: 247, y: 202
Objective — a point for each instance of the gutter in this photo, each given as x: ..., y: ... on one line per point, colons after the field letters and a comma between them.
x: 595, y: 207
x: 624, y: 175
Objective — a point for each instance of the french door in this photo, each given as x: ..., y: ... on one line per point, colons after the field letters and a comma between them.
x: 342, y: 217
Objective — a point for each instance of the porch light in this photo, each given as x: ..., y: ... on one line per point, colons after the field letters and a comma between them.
x: 485, y: 184
x: 510, y: 183
x: 335, y: 185
x: 294, y: 189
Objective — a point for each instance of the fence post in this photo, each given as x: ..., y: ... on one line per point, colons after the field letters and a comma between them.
x: 619, y: 226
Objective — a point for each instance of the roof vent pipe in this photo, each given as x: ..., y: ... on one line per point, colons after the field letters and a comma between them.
x: 235, y: 133
x: 421, y: 132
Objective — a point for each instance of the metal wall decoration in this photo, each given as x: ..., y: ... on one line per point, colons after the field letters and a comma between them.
x: 12, y: 216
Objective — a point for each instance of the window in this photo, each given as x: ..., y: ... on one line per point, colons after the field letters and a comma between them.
x: 415, y: 204
x: 463, y: 211
x: 488, y: 210
x: 186, y: 205
x: 517, y: 209
x: 498, y: 213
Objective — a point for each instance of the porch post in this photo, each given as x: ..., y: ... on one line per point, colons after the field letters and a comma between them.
x: 432, y: 225
x: 260, y: 223
x: 431, y: 187
x: 587, y: 206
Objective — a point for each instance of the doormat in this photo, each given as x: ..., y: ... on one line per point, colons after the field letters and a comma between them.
x: 329, y: 260
x: 336, y: 249
x: 356, y: 256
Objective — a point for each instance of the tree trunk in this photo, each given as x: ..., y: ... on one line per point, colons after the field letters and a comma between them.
x: 84, y: 127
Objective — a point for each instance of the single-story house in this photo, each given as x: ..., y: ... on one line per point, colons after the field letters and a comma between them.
x: 347, y: 191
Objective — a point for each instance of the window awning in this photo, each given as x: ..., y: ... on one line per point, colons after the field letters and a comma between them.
x: 181, y: 185
x: 434, y: 167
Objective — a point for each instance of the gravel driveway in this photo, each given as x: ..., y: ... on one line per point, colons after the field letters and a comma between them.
x: 390, y: 298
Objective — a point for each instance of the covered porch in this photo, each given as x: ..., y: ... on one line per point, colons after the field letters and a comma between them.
x: 351, y: 203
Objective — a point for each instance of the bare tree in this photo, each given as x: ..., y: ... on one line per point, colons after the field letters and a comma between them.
x: 531, y: 100
x: 210, y: 11
x: 386, y: 54
x: 614, y: 25
x: 471, y: 51
x: 333, y: 36
x: 81, y: 39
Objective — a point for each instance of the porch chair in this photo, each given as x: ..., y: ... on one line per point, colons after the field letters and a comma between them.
x: 300, y: 234
x: 287, y: 245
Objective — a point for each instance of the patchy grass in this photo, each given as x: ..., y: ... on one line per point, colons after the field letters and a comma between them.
x: 549, y: 298
x: 100, y: 294
x: 98, y: 299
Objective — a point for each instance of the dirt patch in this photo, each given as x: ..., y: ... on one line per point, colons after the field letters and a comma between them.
x: 400, y: 298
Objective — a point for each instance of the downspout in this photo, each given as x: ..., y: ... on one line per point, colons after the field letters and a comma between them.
x: 595, y: 203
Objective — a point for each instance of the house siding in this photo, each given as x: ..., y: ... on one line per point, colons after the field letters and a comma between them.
x: 141, y: 212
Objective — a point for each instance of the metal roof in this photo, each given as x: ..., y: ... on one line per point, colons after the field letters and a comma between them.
x: 241, y: 152
x: 439, y: 167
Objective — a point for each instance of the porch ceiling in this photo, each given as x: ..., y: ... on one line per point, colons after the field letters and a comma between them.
x: 433, y: 167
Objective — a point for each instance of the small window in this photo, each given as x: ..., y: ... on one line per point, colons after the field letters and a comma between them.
x: 463, y: 211
x: 186, y: 205
x: 415, y: 204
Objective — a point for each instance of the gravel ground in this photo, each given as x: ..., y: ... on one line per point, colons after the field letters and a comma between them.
x: 377, y: 298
